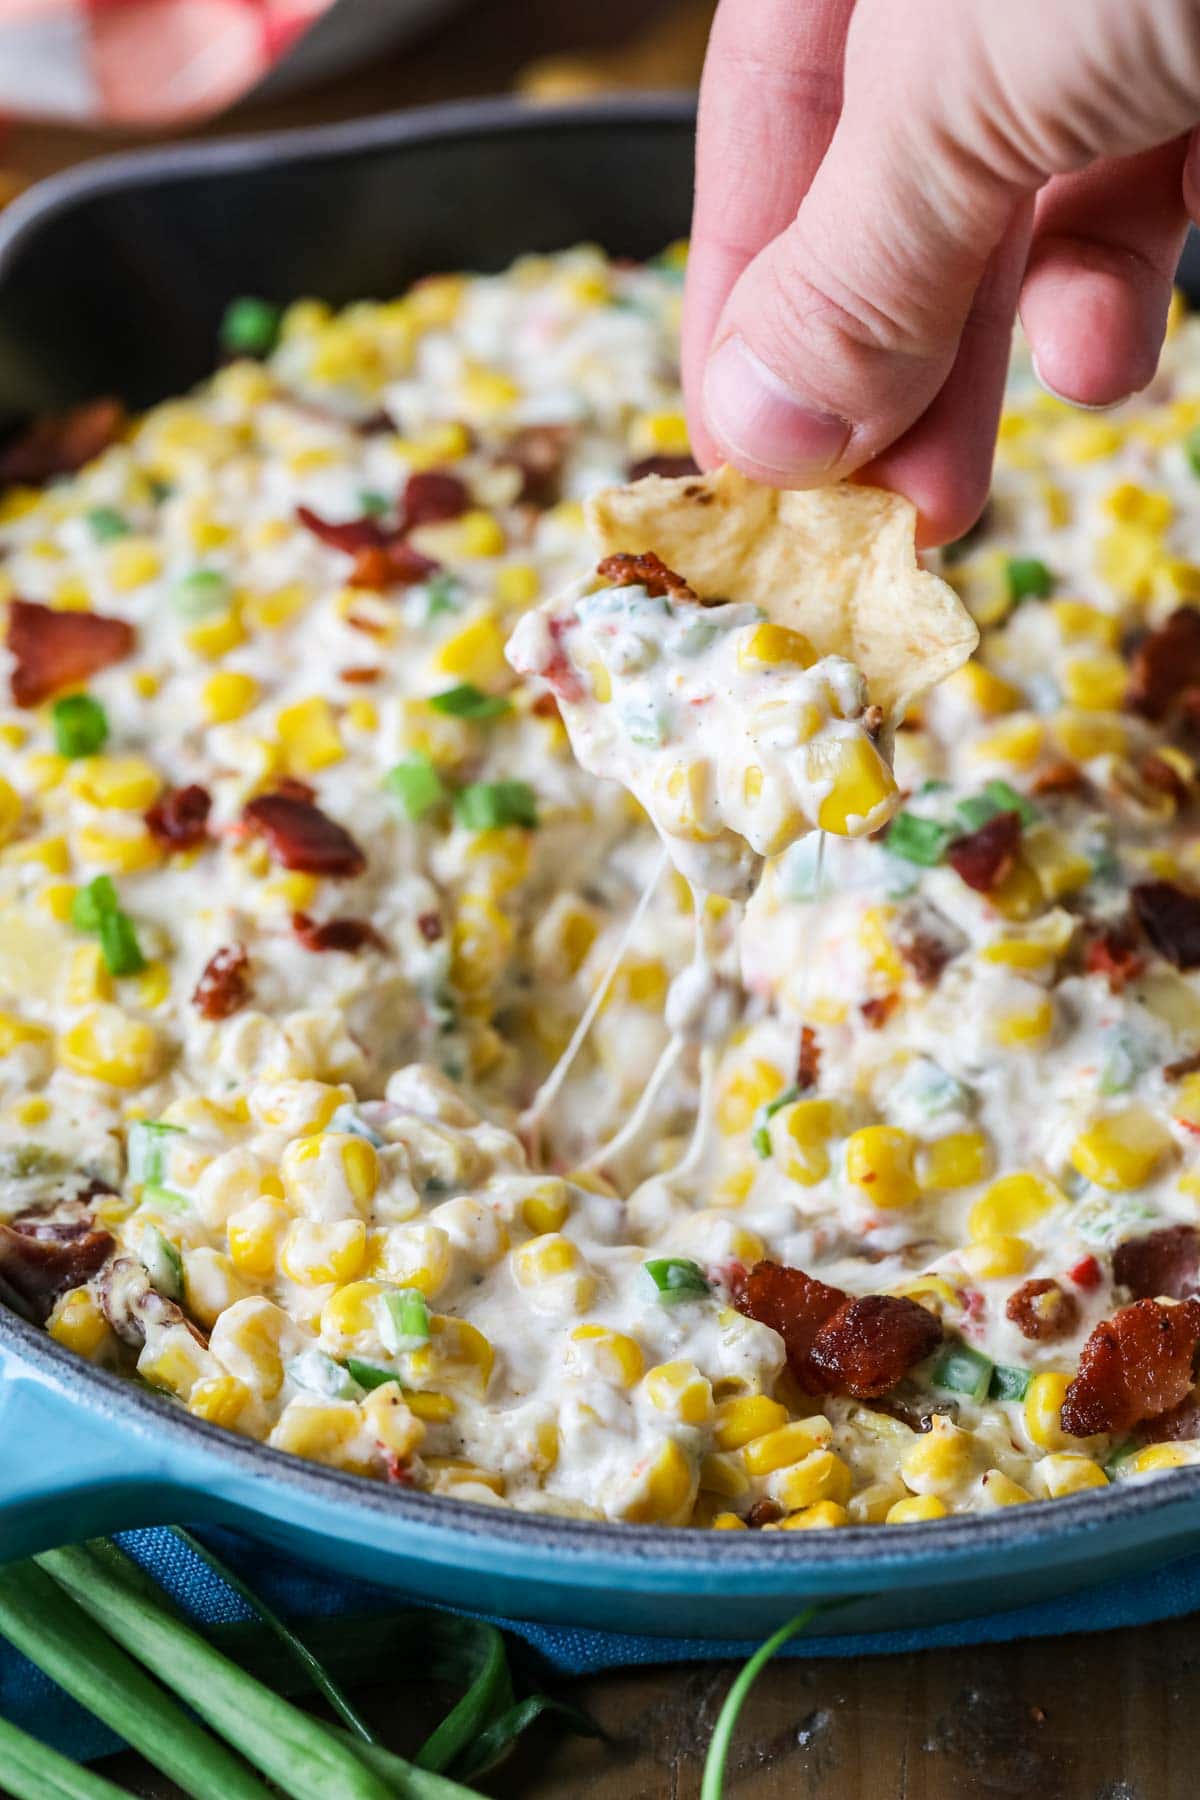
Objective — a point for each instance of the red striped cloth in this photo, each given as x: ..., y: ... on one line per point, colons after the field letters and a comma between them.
x: 141, y: 62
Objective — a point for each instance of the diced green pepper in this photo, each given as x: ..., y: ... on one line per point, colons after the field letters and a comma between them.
x: 80, y: 725
x: 677, y: 1278
x: 961, y: 1370
x: 1028, y: 579
x: 250, y: 327
x: 417, y: 785
x: 484, y: 805
x: 918, y: 840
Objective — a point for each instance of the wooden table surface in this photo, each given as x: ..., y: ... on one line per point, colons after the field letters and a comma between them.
x: 1113, y: 1717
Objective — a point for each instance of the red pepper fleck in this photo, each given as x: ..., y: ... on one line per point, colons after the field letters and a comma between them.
x: 1086, y: 1273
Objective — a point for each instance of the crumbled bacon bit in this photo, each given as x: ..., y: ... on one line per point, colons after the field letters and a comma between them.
x: 179, y: 817
x: 872, y: 720
x: 1164, y: 664
x: 350, y: 935
x: 393, y: 563
x: 539, y: 452
x: 431, y: 496
x: 1186, y: 1065
x: 301, y: 836
x: 40, y: 1260
x: 791, y: 1303
x: 1182, y: 1422
x: 545, y: 707
x: 1160, y: 1264
x: 1086, y: 1273
x: 348, y: 535
x: 224, y: 985
x: 1114, y: 954
x: 986, y: 856
x: 53, y: 650
x: 1059, y: 778
x: 1162, y: 778
x: 1170, y: 918
x: 644, y: 570
x: 430, y: 926
x: 1134, y: 1366
x: 62, y: 443
x: 764, y: 1512
x: 878, y: 1011
x: 869, y: 1344
x: 673, y: 468
x: 360, y: 676
x: 1043, y: 1310
x: 925, y: 955
x: 808, y: 1060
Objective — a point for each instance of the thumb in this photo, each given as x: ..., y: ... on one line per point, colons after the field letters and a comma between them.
x: 842, y: 331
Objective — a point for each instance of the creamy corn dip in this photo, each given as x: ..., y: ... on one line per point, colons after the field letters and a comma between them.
x: 303, y: 895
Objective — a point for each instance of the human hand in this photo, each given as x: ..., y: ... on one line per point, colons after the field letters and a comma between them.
x: 880, y: 184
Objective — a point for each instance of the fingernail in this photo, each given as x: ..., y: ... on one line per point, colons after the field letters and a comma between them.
x: 1083, y: 405
x: 760, y: 420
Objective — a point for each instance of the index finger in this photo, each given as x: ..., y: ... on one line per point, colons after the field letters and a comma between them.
x: 769, y: 101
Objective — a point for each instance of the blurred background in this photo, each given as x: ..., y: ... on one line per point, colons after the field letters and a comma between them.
x: 79, y: 78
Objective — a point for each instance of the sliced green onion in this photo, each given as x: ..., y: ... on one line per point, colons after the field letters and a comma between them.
x: 1028, y: 578
x: 712, y: 1787
x: 760, y: 1137
x: 417, y: 785
x: 119, y: 946
x: 677, y: 1278
x: 997, y: 797
x: 369, y: 1375
x: 106, y: 524
x: 1008, y: 1383
x: 80, y: 725
x: 961, y: 1370
x: 145, y: 1147
x: 466, y: 701
x: 403, y: 1320
x: 250, y: 327
x: 313, y: 1370
x: 1120, y: 1456
x: 33, y: 1772
x: 443, y: 595
x: 493, y: 1743
x: 484, y: 805
x: 373, y: 503
x: 162, y: 1262
x: 201, y: 592
x: 164, y: 1198
x: 1191, y: 449
x: 96, y: 901
x: 918, y: 840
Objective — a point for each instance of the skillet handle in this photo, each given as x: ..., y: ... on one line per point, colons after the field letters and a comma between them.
x: 70, y: 1471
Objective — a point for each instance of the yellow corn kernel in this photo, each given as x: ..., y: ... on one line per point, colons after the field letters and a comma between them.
x: 270, y: 611
x: 765, y: 646
x: 822, y: 1475
x: 517, y: 585
x: 683, y: 800
x: 665, y: 1490
x: 678, y: 1388
x: 1024, y: 1022
x: 659, y: 434
x: 1077, y: 619
x: 727, y: 1521
x: 738, y: 1421
x: 10, y: 810
x: 30, y: 1109
x: 1042, y: 1409
x: 44, y: 770
x: 253, y: 1233
x: 863, y: 785
x: 362, y: 715
x: 132, y: 562
x: 107, y: 1045
x: 1123, y: 1149
x: 175, y: 1362
x: 1000, y: 1490
x: 87, y: 976
x: 995, y: 1255
x: 221, y: 1399
x: 1157, y: 1457
x: 1013, y: 1204
x: 822, y: 1515
x: 879, y: 1160
x: 316, y: 1251
x: 430, y: 1408
x: 391, y: 1420
x: 746, y: 1090
x: 228, y: 695
x: 1130, y: 504
x: 800, y: 1136
x: 15, y: 1030
x: 1082, y: 440
x: 351, y: 1313
x: 871, y: 1504
x: 320, y: 1430
x: 956, y: 1161
x: 246, y: 1341
x: 125, y: 783
x: 544, y: 1258
x: 416, y: 1255
x: 1095, y: 683
x: 600, y: 682
x: 216, y: 636
x: 71, y: 595
x: 454, y: 1475
x: 1017, y: 743
x: 480, y: 944
x: 1083, y: 735
x: 58, y: 899
x: 506, y: 852
x: 722, y: 1473
x: 547, y: 1208
x: 1185, y: 1105
x: 916, y: 1507
x: 458, y: 1354
x: 984, y: 690
x: 939, y: 1461
x: 598, y: 1350
x: 121, y: 852
x: 18, y: 503
x: 78, y: 1322
x: 1068, y: 1473
x: 486, y: 393
x: 330, y: 1174
x: 640, y: 981
x: 153, y: 985
x: 877, y: 946
x: 476, y: 533
x: 309, y: 735
x: 786, y: 1445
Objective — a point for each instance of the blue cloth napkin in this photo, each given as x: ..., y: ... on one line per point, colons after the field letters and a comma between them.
x: 29, y: 1699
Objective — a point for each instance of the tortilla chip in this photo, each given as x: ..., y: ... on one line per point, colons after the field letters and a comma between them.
x: 838, y: 564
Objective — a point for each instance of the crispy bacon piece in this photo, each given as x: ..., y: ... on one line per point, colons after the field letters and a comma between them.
x: 644, y: 570
x: 1113, y: 953
x: 432, y: 496
x: 301, y: 836
x: 878, y: 1011
x: 294, y: 788
x: 1163, y: 1263
x: 40, y: 1259
x: 1170, y: 918
x: 1165, y: 664
x: 539, y: 452
x: 1135, y: 1366
x: 1060, y: 778
x: 362, y: 675
x: 179, y: 817
x: 1186, y: 1065
x: 1043, y: 1310
x: 224, y: 985
x: 808, y: 1061
x: 1183, y: 1421
x: 350, y: 935
x: 871, y: 1343
x: 986, y: 856
x: 62, y: 442
x: 763, y: 1512
x: 791, y: 1303
x: 925, y: 952
x: 53, y: 650
x: 349, y: 535
x: 673, y: 467
x: 1158, y: 775
x: 430, y: 926
x: 393, y: 563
